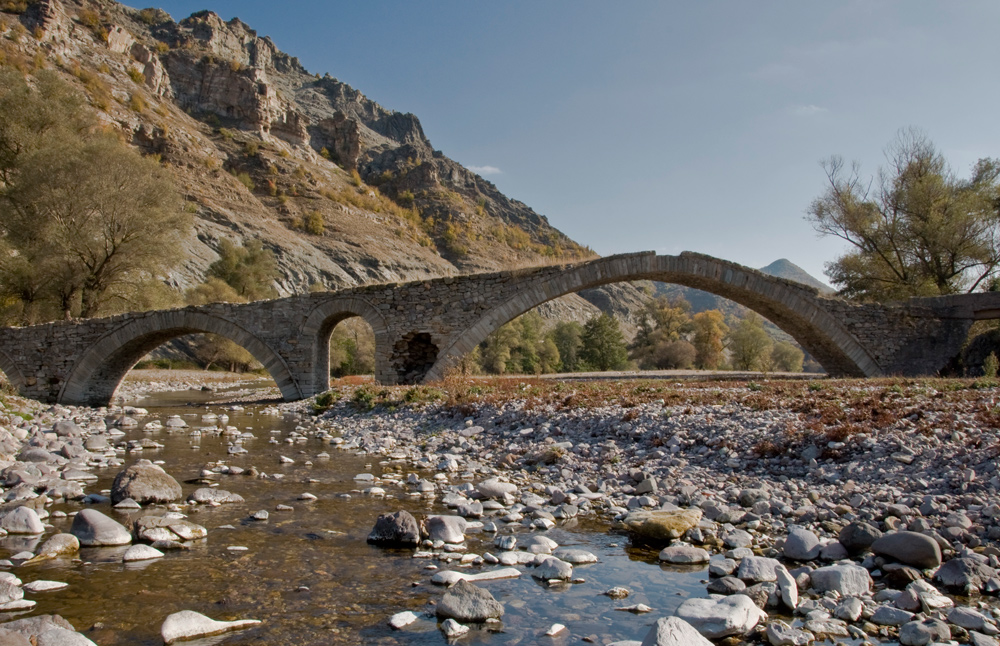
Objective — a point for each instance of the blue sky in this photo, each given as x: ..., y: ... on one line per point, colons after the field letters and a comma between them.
x: 662, y: 125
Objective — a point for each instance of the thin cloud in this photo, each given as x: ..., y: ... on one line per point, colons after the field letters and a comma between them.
x: 485, y: 170
x: 807, y: 110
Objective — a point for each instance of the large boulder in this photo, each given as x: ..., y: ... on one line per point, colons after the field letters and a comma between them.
x: 145, y: 482
x: 848, y: 580
x: 22, y: 520
x: 801, y: 545
x: 674, y: 631
x: 494, y: 488
x: 718, y: 618
x: 858, y: 537
x: 450, y: 529
x: 94, y: 529
x: 918, y: 550
x: 964, y: 575
x: 661, y: 526
x: 468, y: 602
x: 400, y: 528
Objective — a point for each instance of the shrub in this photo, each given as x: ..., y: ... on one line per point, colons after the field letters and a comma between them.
x: 325, y: 401
x: 152, y: 16
x: 136, y: 75
x: 251, y: 148
x: 137, y: 103
x: 364, y: 398
x: 245, y: 180
x: 990, y: 365
x: 324, y: 153
x: 313, y: 223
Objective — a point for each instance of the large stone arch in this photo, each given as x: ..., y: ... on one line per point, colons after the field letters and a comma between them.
x: 318, y: 327
x: 795, y: 308
x: 98, y: 372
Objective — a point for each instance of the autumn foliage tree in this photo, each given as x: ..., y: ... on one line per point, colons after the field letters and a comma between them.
x: 915, y: 229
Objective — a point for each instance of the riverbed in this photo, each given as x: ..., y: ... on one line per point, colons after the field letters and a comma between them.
x: 309, y: 573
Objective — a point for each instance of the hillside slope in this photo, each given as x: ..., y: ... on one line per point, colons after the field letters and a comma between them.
x: 342, y: 190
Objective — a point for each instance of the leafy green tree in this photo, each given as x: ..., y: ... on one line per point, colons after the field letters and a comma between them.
x: 787, y: 357
x: 352, y: 348
x: 603, y: 345
x: 566, y: 336
x: 496, y: 348
x: 749, y: 344
x: 710, y: 331
x: 214, y: 350
x: 250, y: 269
x: 82, y: 215
x: 915, y: 229
x: 520, y: 347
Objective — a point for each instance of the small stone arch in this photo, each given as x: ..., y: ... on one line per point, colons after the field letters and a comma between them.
x: 792, y: 307
x: 96, y: 375
x: 318, y: 327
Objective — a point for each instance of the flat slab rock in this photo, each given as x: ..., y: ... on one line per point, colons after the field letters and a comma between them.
x: 661, y: 525
x: 188, y: 624
x: 717, y: 618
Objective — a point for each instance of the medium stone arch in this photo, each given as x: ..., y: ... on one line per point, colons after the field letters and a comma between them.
x: 318, y: 327
x: 96, y: 375
x: 794, y: 308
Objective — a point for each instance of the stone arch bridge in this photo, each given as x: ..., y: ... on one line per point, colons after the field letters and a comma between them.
x: 423, y: 328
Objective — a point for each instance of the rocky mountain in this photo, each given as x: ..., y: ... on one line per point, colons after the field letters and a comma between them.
x: 784, y: 268
x: 341, y: 189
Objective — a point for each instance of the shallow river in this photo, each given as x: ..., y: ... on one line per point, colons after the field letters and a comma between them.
x: 308, y: 574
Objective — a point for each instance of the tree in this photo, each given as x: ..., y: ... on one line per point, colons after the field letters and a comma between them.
x: 749, y: 344
x: 82, y: 215
x: 915, y: 228
x: 663, y: 323
x: 787, y: 357
x: 250, y: 269
x: 603, y: 346
x: 709, y: 339
x: 567, y: 337
x: 352, y: 348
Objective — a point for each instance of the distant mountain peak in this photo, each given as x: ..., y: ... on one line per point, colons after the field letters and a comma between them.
x: 784, y: 268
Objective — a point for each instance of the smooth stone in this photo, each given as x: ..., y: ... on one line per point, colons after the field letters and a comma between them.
x: 857, y: 538
x: 44, y: 586
x: 674, y: 631
x: 574, y: 556
x: 450, y: 529
x: 206, y: 495
x: 554, y: 630
x: 494, y: 488
x: 145, y: 483
x: 661, y: 526
x: 758, y: 569
x: 401, y: 619
x: 465, y: 601
x: 22, y: 520
x: 94, y: 529
x: 141, y: 553
x: 552, y: 568
x: 451, y: 577
x: 717, y: 618
x: 849, y: 609
x: 927, y: 631
x: 684, y: 555
x: 889, y: 616
x: 781, y: 634
x: 787, y: 587
x: 726, y: 585
x: 62, y: 637
x: 918, y: 550
x: 453, y: 629
x: 188, y: 624
x: 801, y: 545
x: 969, y: 619
x: 10, y: 592
x: 848, y: 580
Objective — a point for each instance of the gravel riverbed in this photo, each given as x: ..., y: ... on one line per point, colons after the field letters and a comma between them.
x: 828, y: 511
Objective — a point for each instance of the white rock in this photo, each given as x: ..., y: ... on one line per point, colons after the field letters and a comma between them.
x: 188, y: 624
x: 44, y: 586
x: 450, y: 577
x: 674, y: 631
x: 401, y: 619
x: 141, y: 553
x: 452, y: 628
x: 721, y: 617
x: 555, y: 629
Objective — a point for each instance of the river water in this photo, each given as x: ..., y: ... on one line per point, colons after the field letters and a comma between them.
x: 309, y: 574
